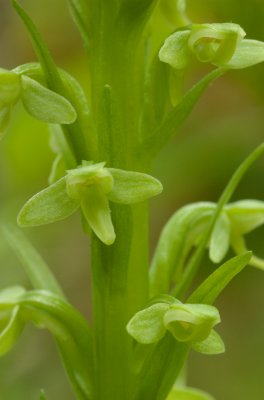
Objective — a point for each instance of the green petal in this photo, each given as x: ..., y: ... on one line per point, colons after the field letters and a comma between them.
x: 213, y: 344
x: 215, y: 43
x: 220, y: 239
x: 44, y: 104
x: 175, y: 50
x: 191, y: 322
x: 147, y: 326
x: 95, y: 207
x: 50, y: 205
x: 88, y: 175
x: 248, y: 52
x: 132, y: 187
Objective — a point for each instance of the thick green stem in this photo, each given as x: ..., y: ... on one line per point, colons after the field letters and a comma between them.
x: 116, y: 296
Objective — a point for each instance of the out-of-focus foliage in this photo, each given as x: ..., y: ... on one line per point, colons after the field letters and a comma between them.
x: 226, y: 124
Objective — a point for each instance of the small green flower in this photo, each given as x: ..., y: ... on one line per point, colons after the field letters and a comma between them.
x: 221, y: 44
x: 39, y: 102
x: 188, y: 323
x: 90, y: 187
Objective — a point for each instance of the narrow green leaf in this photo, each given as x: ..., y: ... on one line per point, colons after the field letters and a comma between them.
x: 132, y: 187
x: 220, y: 239
x: 213, y: 286
x: 35, y: 267
x: 213, y: 344
x: 186, y: 393
x: 44, y: 104
x: 70, y: 329
x: 81, y: 16
x: 177, y: 238
x: 73, y: 132
x: 147, y: 326
x: 50, y: 205
x: 170, y: 125
x: 195, y: 261
x: 47, y: 63
x: 97, y: 213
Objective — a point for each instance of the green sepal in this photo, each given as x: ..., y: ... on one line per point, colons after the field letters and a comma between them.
x: 95, y: 207
x: 132, y: 187
x: 10, y: 87
x: 45, y: 104
x: 190, y: 323
x: 220, y: 239
x: 147, y: 326
x: 175, y: 50
x: 50, y: 205
x: 187, y: 393
x: 213, y: 344
x: 248, y: 53
x: 213, y: 286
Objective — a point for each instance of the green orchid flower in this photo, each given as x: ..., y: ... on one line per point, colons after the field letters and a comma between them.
x: 221, y: 44
x: 40, y: 102
x: 188, y: 323
x: 89, y: 187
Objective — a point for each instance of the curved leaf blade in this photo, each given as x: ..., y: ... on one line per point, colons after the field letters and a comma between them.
x: 213, y: 286
x: 35, y: 267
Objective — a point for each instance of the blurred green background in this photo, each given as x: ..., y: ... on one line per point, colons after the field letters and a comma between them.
x: 223, y: 128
